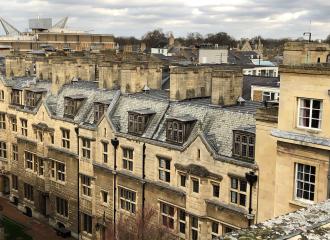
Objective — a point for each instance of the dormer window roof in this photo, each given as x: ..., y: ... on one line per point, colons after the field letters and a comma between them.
x: 72, y: 104
x: 178, y: 128
x: 138, y: 120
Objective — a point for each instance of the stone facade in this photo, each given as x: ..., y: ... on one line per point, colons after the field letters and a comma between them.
x: 293, y: 158
x: 200, y: 176
x: 296, y: 53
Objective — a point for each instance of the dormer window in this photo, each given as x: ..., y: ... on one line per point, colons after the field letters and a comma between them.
x: 16, y: 97
x: 244, y: 145
x: 99, y: 109
x: 72, y: 105
x: 178, y: 129
x: 138, y: 120
x: 32, y: 98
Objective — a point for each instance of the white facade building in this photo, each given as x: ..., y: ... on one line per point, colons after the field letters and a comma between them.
x: 212, y: 55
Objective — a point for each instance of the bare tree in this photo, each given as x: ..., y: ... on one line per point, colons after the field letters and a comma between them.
x: 144, y: 226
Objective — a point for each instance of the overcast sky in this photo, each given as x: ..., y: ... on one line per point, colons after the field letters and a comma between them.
x: 239, y: 18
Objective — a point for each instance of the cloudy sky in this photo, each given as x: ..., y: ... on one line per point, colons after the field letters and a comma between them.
x: 239, y: 18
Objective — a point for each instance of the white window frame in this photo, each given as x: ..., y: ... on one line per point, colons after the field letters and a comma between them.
x: 300, y: 99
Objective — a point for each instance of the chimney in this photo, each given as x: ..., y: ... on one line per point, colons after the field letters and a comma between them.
x: 227, y: 87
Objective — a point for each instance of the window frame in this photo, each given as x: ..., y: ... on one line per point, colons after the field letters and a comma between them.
x: 65, y: 138
x: 193, y: 181
x: 28, y: 192
x: 238, y: 191
x: 24, y: 127
x: 238, y: 145
x: 128, y: 158
x: 87, y: 224
x: 215, y: 184
x: 57, y: 173
x: 304, y: 182
x: 105, y: 152
x: 137, y: 123
x: 15, y: 152
x: 167, y: 218
x: 102, y: 192
x: 86, y: 186
x: 194, y: 228
x: 164, y: 171
x: 3, y: 120
x: 3, y: 150
x: 13, y: 124
x: 62, y: 207
x: 86, y: 148
x: 215, y: 234
x: 310, y: 117
x: 14, y: 182
x: 129, y: 201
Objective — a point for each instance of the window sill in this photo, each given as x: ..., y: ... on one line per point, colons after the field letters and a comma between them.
x: 127, y: 212
x: 59, y: 182
x: 300, y: 203
x: 105, y: 204
x: 62, y: 216
x: 87, y: 198
x: 309, y: 130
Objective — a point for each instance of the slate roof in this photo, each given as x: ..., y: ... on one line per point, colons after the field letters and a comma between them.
x: 133, y: 102
x: 87, y: 90
x: 248, y: 81
x: 215, y: 124
x: 310, y: 223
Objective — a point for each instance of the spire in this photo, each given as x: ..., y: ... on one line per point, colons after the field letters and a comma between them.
x: 61, y: 23
x: 9, y: 29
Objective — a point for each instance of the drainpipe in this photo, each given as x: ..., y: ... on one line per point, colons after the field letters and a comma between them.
x: 143, y: 183
x: 78, y: 178
x: 251, y: 179
x: 115, y: 143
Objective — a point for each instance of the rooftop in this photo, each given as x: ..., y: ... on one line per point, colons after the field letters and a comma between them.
x: 310, y: 223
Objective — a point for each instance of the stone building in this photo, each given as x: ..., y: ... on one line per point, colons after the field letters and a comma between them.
x: 293, y: 150
x: 44, y: 35
x: 296, y: 53
x: 88, y: 155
